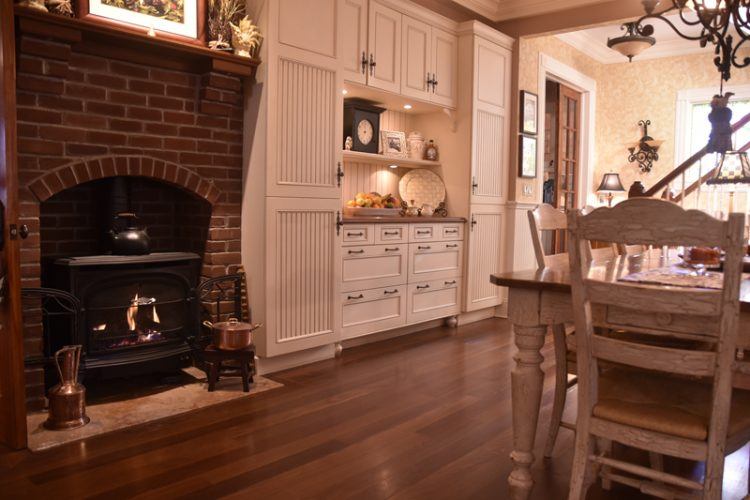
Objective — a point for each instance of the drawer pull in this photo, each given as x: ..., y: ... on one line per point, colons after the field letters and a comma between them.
x: 450, y: 282
x: 390, y: 233
x: 356, y: 234
x: 451, y: 231
x: 423, y: 287
x: 423, y: 248
x: 451, y: 246
x: 390, y: 292
x: 424, y: 232
x: 360, y: 296
x: 392, y: 249
x: 356, y: 251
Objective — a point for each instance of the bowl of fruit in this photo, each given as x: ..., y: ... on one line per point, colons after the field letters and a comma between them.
x: 372, y: 204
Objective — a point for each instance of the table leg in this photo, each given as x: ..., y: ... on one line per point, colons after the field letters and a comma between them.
x: 527, y: 380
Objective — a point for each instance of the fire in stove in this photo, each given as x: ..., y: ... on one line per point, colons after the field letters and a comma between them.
x: 143, y: 324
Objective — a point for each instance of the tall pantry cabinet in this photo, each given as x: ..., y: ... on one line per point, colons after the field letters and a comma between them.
x: 300, y: 97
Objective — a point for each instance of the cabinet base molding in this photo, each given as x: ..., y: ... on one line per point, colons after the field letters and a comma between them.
x: 474, y: 316
x: 391, y: 334
x: 295, y: 359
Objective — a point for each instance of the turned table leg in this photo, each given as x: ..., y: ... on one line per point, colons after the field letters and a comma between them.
x: 527, y: 380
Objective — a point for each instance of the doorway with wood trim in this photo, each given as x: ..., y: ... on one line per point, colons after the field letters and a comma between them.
x: 562, y: 146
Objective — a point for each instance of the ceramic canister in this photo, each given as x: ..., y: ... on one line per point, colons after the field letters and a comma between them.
x: 415, y: 143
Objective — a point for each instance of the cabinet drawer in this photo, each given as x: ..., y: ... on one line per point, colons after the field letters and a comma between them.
x: 451, y: 232
x: 391, y: 233
x: 371, y: 311
x: 373, y: 266
x: 433, y: 299
x: 358, y: 234
x: 423, y: 232
x: 435, y: 260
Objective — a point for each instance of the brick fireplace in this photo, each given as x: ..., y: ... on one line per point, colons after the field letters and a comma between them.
x: 84, y: 118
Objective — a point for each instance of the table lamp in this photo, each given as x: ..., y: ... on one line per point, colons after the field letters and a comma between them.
x: 610, y: 185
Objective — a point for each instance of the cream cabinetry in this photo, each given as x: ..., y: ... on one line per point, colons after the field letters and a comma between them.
x: 389, y: 47
x: 407, y: 281
x: 485, y: 237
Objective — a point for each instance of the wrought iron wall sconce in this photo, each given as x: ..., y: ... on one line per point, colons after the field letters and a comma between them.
x: 645, y: 151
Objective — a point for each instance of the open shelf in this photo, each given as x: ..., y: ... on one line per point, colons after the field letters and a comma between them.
x: 388, y: 160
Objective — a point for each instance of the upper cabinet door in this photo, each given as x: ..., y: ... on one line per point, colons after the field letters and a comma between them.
x: 444, y: 67
x: 384, y: 42
x: 353, y: 34
x: 307, y: 25
x: 304, y: 127
x: 492, y: 74
x: 416, y: 58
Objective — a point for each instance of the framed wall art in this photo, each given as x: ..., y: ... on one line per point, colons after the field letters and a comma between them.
x: 527, y: 158
x: 177, y: 19
x: 529, y: 113
x: 393, y: 143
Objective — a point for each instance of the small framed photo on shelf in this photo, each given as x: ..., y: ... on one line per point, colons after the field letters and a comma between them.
x: 529, y: 112
x: 177, y: 19
x: 393, y: 143
x: 527, y: 156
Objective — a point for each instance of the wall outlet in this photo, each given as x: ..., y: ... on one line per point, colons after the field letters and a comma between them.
x: 528, y: 190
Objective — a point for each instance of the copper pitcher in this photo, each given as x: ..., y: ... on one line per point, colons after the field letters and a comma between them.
x: 67, y: 400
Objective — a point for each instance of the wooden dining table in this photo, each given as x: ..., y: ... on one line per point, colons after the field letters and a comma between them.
x: 538, y: 299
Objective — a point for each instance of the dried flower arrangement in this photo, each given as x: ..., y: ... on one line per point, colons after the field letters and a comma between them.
x: 221, y: 13
x: 246, y: 38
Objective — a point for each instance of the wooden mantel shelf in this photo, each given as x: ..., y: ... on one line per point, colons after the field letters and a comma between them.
x: 131, y: 45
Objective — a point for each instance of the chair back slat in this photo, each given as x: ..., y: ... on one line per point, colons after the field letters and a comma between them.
x: 655, y: 299
x: 649, y: 357
x: 689, y: 326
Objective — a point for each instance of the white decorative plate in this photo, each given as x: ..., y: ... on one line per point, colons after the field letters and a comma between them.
x: 423, y: 186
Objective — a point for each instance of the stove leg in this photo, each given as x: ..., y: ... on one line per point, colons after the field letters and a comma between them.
x: 245, y: 376
x: 213, y: 375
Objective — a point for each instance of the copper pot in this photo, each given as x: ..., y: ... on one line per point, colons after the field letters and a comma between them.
x: 232, y: 335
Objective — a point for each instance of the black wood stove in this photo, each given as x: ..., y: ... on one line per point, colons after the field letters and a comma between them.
x: 135, y: 309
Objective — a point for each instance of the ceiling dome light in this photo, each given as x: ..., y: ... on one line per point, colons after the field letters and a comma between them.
x: 632, y: 42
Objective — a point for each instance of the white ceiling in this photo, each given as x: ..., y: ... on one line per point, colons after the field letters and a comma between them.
x: 500, y: 10
x: 593, y: 42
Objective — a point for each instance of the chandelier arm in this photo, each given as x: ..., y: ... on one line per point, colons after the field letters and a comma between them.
x: 735, y: 60
x: 669, y: 23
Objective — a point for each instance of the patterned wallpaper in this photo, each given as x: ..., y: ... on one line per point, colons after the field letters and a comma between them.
x: 627, y: 93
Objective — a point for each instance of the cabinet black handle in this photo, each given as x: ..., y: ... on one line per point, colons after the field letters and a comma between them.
x: 372, y: 65
x: 390, y: 233
x: 339, y: 174
x: 391, y: 249
x: 390, y: 292
x: 450, y: 282
x: 423, y: 232
x: 434, y: 82
x: 451, y: 246
x: 356, y: 251
x: 360, y: 296
x: 364, y: 62
x: 422, y: 287
x: 474, y: 185
x: 451, y: 231
x: 355, y: 234
x: 423, y: 248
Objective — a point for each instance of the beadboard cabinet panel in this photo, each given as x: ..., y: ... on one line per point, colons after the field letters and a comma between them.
x: 384, y: 43
x: 485, y: 246
x: 353, y: 33
x: 416, y: 58
x: 302, y: 274
x: 489, y: 157
x: 444, y: 67
x: 308, y: 25
x: 305, y: 147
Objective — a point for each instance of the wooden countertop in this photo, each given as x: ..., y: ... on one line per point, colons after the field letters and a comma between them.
x: 400, y: 220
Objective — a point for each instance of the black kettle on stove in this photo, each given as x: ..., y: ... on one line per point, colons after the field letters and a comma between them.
x: 132, y: 239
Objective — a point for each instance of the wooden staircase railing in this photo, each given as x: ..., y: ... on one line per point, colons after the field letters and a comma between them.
x: 695, y: 185
x: 679, y: 170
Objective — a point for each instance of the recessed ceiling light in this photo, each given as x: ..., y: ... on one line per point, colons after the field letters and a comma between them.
x: 392, y: 166
x: 344, y: 91
x: 407, y: 106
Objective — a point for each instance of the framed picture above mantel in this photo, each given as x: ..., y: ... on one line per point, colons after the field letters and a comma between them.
x: 183, y: 20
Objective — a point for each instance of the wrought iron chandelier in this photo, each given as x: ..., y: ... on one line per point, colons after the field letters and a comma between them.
x: 723, y: 23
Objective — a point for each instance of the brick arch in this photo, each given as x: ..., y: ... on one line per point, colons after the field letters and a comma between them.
x: 77, y: 172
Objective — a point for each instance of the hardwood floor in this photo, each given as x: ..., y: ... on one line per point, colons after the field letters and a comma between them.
x: 421, y: 416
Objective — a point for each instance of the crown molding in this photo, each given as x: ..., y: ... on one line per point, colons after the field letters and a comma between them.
x: 598, y: 50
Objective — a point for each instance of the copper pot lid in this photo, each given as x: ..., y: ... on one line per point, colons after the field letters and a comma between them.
x: 234, y: 325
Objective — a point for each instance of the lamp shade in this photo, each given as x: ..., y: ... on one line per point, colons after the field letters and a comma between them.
x: 610, y: 184
x: 733, y: 168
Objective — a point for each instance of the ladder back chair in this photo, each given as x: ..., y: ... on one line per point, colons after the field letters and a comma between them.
x: 545, y: 217
x: 659, y: 398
